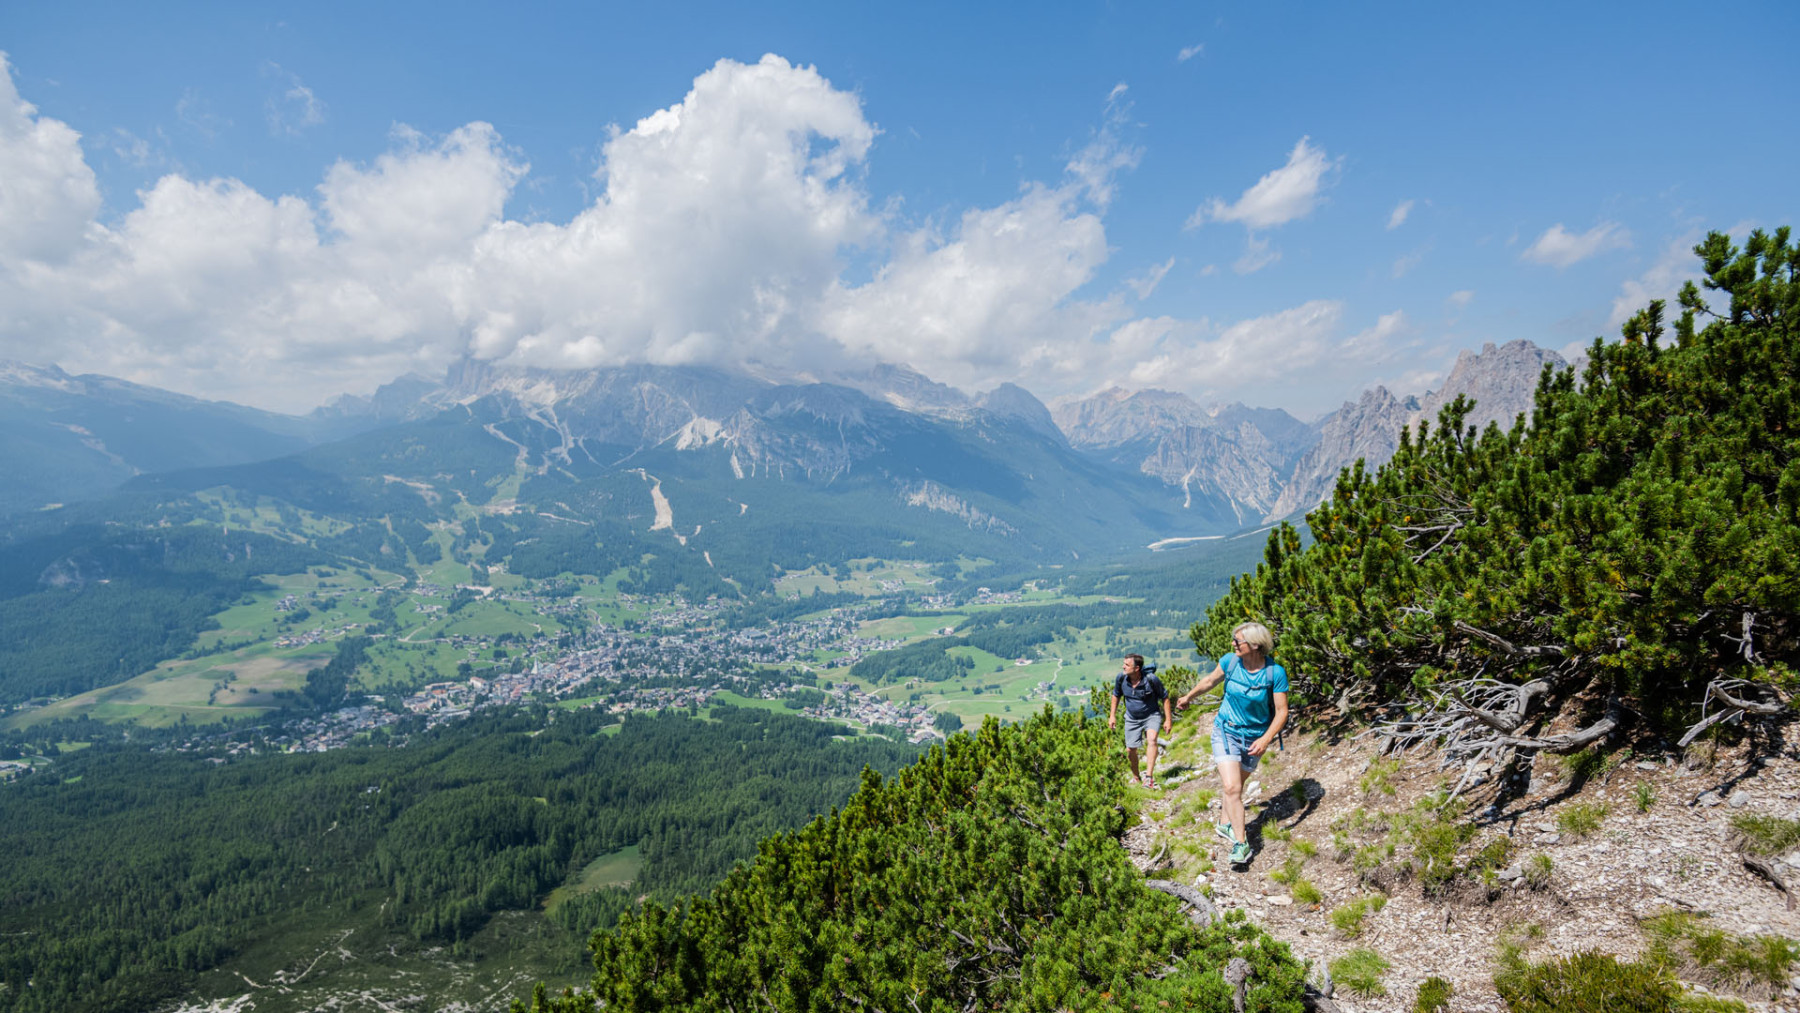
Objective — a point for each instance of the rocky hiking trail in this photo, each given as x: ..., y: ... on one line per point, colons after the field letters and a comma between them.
x: 1599, y: 847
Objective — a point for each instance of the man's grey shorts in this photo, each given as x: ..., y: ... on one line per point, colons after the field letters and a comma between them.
x: 1135, y: 728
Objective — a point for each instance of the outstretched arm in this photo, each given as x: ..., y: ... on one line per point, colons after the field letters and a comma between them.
x: 1206, y: 683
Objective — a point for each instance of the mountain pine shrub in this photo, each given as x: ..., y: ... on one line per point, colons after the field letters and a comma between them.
x: 1640, y: 538
x: 987, y: 875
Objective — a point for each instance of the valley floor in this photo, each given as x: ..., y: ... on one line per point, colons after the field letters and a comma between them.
x: 1664, y: 842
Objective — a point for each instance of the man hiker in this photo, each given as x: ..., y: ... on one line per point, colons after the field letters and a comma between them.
x: 1144, y: 696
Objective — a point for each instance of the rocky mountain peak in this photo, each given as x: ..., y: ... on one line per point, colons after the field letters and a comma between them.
x: 1011, y: 401
x: 1116, y: 416
x: 907, y: 389
x: 1501, y: 379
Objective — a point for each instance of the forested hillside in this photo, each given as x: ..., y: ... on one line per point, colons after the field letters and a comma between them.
x: 131, y: 870
x: 986, y: 876
x: 1635, y: 550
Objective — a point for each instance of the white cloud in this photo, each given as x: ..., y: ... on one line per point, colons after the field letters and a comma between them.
x: 1461, y: 297
x: 296, y: 108
x: 1398, y: 217
x: 1146, y: 283
x: 1257, y: 255
x: 1406, y: 263
x: 1279, y: 197
x: 1261, y: 349
x: 1559, y: 247
x: 1105, y: 156
x: 720, y: 234
x: 131, y: 149
x: 197, y: 112
x: 1189, y: 52
x: 47, y: 191
x: 1662, y: 280
x: 1376, y: 343
x: 990, y: 298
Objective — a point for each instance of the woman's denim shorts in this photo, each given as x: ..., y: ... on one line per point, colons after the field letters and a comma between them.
x: 1226, y: 746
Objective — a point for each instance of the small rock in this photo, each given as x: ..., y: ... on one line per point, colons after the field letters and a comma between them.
x: 1647, y: 765
x: 1708, y: 798
x: 1200, y: 880
x: 1793, y: 859
x: 1280, y: 900
x: 1509, y: 874
x: 1549, y: 839
x: 1740, y: 799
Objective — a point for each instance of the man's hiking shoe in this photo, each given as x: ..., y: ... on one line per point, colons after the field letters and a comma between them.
x: 1150, y: 783
x: 1240, y: 853
x: 1223, y: 830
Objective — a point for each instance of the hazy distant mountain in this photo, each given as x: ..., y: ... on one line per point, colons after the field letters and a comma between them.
x: 1109, y: 471
x: 65, y: 438
x: 731, y: 456
x: 1500, y: 379
x: 1227, y: 457
x: 1262, y: 463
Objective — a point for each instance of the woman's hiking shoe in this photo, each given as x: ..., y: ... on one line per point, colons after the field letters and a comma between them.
x: 1240, y: 853
x: 1223, y: 830
x: 1150, y: 783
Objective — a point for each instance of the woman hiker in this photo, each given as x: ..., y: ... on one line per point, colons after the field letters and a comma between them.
x: 1251, y: 713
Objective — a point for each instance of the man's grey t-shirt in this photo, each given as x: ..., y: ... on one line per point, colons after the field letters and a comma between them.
x: 1142, y: 700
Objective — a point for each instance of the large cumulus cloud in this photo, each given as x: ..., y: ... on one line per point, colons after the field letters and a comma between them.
x: 720, y: 234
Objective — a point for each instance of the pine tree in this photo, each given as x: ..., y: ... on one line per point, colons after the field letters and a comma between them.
x: 1639, y: 540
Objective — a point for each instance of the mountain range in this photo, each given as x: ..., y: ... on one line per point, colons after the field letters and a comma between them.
x: 1106, y: 473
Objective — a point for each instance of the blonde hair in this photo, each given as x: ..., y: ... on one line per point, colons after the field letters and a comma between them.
x: 1255, y: 634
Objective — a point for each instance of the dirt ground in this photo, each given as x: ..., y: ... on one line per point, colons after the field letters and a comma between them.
x: 1666, y: 846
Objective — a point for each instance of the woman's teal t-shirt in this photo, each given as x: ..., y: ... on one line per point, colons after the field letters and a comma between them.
x: 1248, y: 707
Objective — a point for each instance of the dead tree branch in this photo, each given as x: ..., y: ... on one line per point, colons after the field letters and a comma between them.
x: 1237, y: 975
x: 1202, y: 911
x: 1772, y: 874
x: 1747, y: 642
x: 1725, y: 692
x: 1479, y: 717
x: 1571, y: 742
x: 1508, y: 646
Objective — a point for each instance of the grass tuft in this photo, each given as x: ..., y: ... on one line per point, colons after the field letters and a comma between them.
x: 1581, y: 818
x: 1586, y: 981
x: 1434, y: 995
x: 1360, y: 971
x: 1765, y: 835
x: 1379, y: 777
x: 1684, y: 942
x: 1348, y: 918
x: 1537, y: 871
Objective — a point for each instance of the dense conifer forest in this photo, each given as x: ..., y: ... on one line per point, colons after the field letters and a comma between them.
x: 131, y: 870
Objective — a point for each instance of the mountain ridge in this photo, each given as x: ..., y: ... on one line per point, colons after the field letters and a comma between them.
x: 1219, y: 467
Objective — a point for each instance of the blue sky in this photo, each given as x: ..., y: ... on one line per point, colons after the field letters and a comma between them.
x: 1276, y: 203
